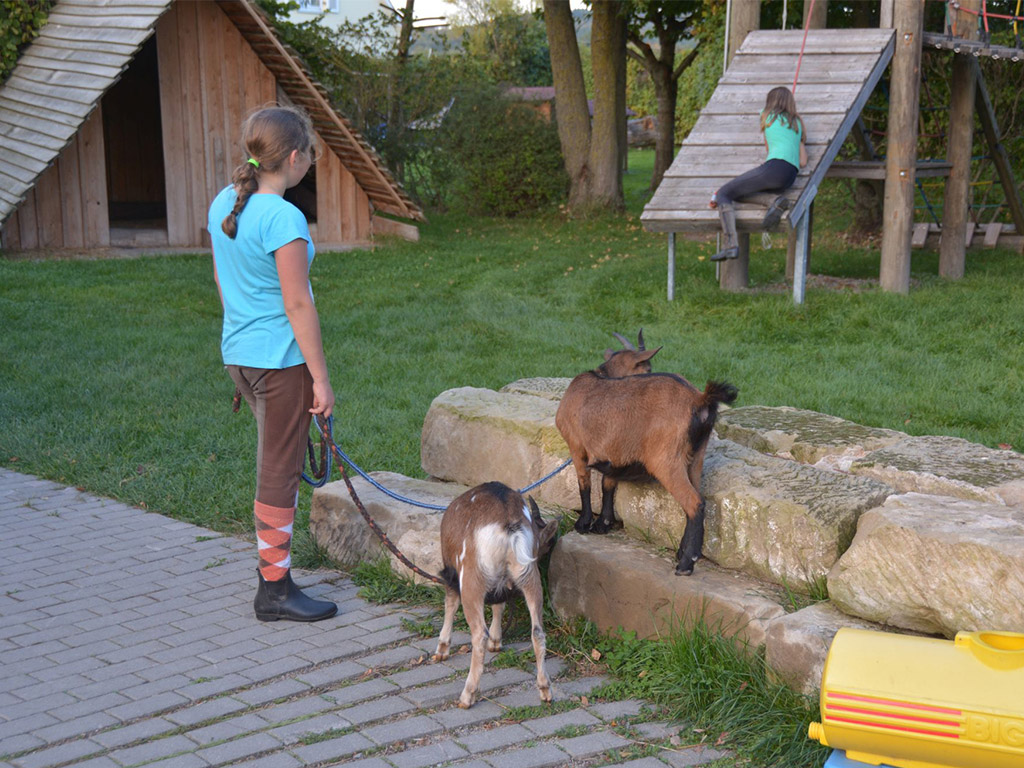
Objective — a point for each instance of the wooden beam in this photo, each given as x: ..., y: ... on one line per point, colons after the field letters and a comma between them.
x: 904, y: 93
x: 875, y: 169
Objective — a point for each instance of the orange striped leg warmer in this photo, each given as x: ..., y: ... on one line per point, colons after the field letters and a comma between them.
x: 274, y: 539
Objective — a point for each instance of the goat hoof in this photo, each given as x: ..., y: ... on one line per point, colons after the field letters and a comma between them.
x: 600, y: 527
x: 545, y: 695
x: 466, y: 701
x: 579, y: 528
x: 685, y: 567
x: 493, y: 646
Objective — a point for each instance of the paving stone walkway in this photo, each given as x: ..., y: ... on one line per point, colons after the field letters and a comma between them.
x: 128, y: 639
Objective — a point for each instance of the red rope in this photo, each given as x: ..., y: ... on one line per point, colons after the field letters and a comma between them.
x: 800, y: 60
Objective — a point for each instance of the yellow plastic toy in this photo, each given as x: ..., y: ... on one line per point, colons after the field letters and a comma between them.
x: 915, y: 702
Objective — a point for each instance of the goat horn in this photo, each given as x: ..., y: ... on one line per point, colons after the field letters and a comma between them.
x: 640, y: 340
x: 535, y: 511
x: 625, y: 342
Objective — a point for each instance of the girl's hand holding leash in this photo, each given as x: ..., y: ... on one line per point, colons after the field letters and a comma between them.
x: 323, y: 399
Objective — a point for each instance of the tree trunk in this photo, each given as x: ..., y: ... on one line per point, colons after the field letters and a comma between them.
x: 608, y: 43
x: 666, y: 90
x: 571, y: 113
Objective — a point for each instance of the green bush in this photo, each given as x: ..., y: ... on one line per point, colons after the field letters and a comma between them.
x: 20, y: 21
x: 497, y: 157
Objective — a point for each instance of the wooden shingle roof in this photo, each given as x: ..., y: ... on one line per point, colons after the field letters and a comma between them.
x: 840, y: 68
x: 85, y: 47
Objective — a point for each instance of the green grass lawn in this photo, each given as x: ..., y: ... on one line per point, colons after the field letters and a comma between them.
x: 110, y: 373
x: 110, y: 376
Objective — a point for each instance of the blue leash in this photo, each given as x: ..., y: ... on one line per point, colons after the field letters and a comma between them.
x: 326, y: 470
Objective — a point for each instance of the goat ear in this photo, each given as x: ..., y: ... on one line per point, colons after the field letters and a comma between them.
x: 548, y: 536
x: 648, y: 354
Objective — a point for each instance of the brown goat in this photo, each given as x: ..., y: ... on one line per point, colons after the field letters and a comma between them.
x: 637, y: 425
x: 490, y: 544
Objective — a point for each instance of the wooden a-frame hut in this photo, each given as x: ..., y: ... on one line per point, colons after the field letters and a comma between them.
x: 121, y: 121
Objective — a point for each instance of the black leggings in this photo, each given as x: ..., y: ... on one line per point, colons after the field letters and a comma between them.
x: 773, y: 176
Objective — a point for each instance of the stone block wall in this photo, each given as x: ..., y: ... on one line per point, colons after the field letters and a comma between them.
x: 919, y: 534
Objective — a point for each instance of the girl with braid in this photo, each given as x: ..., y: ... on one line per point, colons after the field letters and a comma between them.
x: 787, y: 152
x: 271, y: 344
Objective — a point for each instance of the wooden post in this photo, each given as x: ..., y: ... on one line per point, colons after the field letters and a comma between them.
x: 745, y: 17
x: 956, y: 209
x: 885, y: 20
x: 901, y: 155
x: 734, y: 274
x: 817, y: 15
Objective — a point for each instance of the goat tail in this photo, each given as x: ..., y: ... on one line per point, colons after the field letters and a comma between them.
x: 702, y: 420
x: 719, y: 392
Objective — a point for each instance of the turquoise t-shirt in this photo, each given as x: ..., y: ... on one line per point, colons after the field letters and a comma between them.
x: 783, y: 141
x: 256, y: 332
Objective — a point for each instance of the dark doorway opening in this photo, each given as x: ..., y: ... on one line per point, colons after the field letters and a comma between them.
x: 133, y: 139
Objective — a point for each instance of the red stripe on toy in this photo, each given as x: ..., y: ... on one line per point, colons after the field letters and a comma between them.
x: 894, y: 703
x: 895, y: 715
x: 894, y: 727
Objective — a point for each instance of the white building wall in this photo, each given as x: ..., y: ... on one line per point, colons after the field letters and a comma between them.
x: 336, y: 12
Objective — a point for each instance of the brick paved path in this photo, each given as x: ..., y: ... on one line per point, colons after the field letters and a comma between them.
x: 128, y: 639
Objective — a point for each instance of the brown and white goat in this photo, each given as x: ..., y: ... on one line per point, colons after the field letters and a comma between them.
x: 490, y: 544
x: 631, y: 425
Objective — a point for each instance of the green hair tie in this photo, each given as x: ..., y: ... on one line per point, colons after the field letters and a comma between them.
x: 253, y: 162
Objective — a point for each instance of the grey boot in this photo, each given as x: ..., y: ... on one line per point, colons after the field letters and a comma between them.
x: 773, y: 215
x: 731, y: 244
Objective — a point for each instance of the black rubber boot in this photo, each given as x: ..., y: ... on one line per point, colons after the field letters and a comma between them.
x: 773, y: 215
x: 731, y: 247
x: 283, y: 600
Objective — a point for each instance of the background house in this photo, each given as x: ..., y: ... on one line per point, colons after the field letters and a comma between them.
x: 121, y: 122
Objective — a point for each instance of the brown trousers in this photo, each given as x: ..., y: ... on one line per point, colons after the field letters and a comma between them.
x: 280, y: 399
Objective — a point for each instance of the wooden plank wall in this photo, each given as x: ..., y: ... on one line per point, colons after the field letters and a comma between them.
x: 210, y: 79
x: 67, y: 208
x: 342, y: 207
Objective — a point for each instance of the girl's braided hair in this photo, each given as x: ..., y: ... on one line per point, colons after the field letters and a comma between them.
x: 269, y: 136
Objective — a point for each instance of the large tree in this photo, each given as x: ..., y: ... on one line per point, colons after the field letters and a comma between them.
x: 593, y: 151
x: 671, y: 22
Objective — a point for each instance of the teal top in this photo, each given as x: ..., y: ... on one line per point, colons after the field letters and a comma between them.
x: 783, y: 141
x: 256, y: 331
